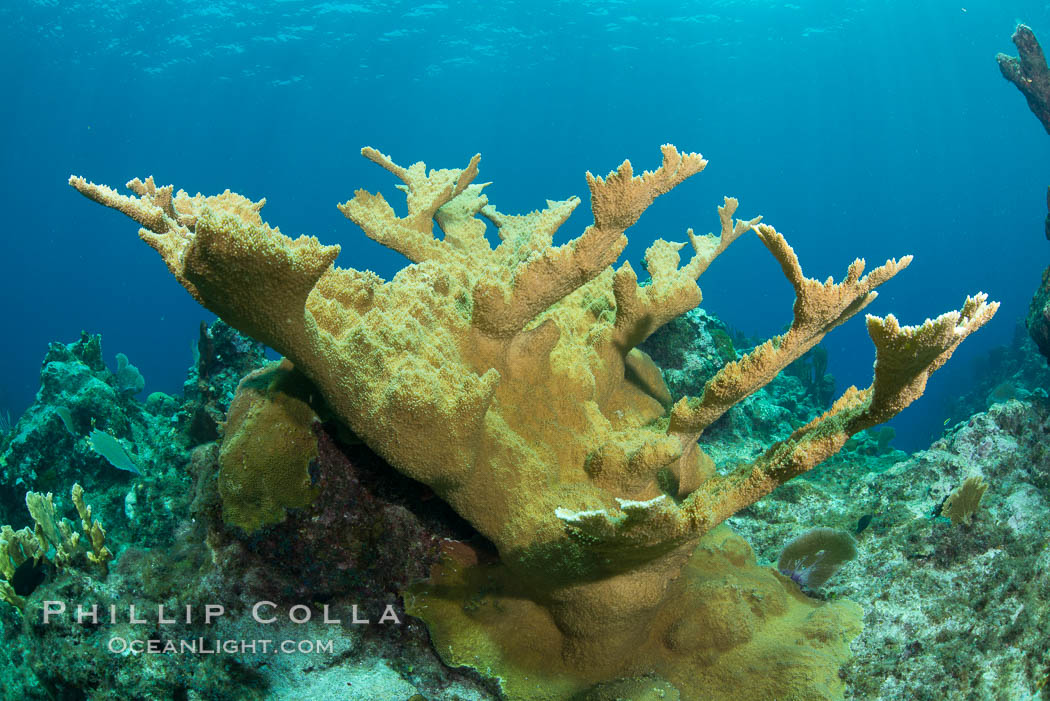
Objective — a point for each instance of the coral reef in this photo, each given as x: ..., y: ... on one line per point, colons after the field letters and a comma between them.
x: 951, y: 611
x: 1030, y: 74
x: 509, y: 381
x: 81, y: 415
x: 1038, y: 320
x: 79, y: 405
x: 369, y: 533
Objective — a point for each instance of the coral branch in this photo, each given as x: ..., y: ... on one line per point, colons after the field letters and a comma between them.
x: 1029, y: 73
x: 503, y: 309
x: 905, y: 357
x: 222, y: 252
x: 413, y: 234
x: 528, y: 235
x: 641, y: 310
x: 620, y: 198
x: 819, y: 307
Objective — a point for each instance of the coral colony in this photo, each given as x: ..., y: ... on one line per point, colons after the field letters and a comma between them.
x: 509, y: 381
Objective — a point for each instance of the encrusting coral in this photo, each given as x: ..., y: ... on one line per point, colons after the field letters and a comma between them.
x: 508, y: 379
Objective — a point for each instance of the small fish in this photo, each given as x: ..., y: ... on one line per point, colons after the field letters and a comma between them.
x: 863, y: 523
x: 947, y: 420
x: 110, y: 448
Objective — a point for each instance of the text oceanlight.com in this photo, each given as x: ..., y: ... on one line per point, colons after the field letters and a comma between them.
x: 207, y: 646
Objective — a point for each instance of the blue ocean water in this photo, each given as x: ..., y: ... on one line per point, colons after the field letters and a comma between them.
x: 875, y: 130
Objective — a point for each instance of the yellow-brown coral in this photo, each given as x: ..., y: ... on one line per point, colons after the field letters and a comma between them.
x: 508, y: 379
x: 723, y: 629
